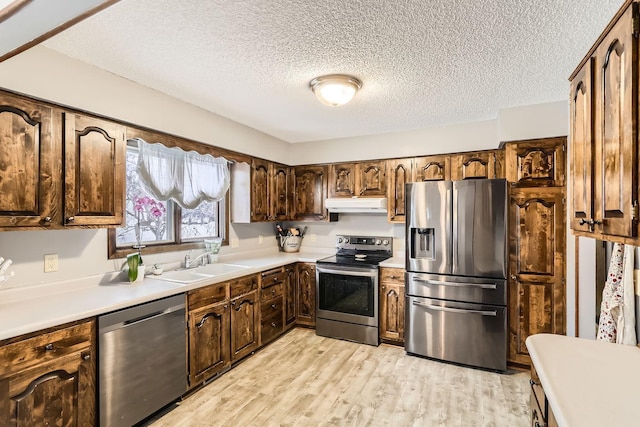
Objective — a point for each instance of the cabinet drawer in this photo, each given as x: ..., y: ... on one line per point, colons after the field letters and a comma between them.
x: 271, y: 292
x: 268, y: 308
x: 271, y: 327
x: 243, y: 285
x: 208, y: 295
x: 392, y: 275
x: 537, y: 392
x: 269, y: 280
x: 45, y: 347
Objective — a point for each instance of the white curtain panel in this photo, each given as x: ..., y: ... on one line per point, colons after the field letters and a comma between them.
x: 186, y: 177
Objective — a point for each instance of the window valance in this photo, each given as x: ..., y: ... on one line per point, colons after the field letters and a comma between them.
x: 186, y: 177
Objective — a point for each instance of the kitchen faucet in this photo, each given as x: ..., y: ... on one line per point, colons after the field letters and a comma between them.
x: 189, y: 263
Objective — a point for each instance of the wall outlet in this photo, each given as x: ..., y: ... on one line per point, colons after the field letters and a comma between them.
x: 312, y: 237
x: 235, y: 242
x: 50, y: 263
x: 260, y: 239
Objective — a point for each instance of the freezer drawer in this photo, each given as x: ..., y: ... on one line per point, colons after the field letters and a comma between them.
x: 471, y: 334
x: 457, y: 288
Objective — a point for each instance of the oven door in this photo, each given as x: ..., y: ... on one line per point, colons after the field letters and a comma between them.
x: 348, y: 294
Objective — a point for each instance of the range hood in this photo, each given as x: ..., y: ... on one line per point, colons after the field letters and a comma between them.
x: 367, y: 205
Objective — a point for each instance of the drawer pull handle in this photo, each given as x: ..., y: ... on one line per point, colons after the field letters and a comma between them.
x: 273, y: 324
x: 71, y: 219
x: 86, y: 356
x: 273, y: 306
x: 273, y: 291
x: 48, y: 347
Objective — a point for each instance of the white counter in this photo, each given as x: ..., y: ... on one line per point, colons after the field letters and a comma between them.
x: 395, y: 262
x: 32, y: 308
x: 588, y: 383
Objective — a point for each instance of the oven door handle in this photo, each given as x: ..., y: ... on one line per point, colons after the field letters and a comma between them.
x: 456, y: 310
x: 472, y: 285
x: 359, y: 273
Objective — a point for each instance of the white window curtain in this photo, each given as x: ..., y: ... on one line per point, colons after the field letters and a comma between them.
x: 188, y: 178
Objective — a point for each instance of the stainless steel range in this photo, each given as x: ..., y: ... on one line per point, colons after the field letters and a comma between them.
x: 347, y: 288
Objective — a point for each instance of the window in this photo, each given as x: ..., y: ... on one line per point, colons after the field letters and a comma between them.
x: 162, y: 226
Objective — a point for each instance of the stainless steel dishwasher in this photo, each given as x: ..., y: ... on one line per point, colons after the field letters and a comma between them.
x: 142, y: 360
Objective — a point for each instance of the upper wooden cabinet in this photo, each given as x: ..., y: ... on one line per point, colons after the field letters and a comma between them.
x: 94, y: 180
x: 362, y: 179
x: 399, y: 173
x: 536, y: 163
x: 480, y: 164
x: 432, y: 168
x: 30, y: 165
x: 604, y: 98
x: 36, y: 140
x: 309, y: 193
x: 259, y: 190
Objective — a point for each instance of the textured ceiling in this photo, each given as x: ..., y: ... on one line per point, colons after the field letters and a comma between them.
x: 422, y: 63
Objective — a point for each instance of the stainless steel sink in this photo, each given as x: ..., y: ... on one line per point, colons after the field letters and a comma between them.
x: 199, y: 273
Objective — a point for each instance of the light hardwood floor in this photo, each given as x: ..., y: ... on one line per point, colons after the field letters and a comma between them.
x: 305, y: 380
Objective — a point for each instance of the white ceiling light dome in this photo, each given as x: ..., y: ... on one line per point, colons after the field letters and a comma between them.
x: 335, y: 90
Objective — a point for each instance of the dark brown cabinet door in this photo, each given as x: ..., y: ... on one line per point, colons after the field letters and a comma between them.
x: 306, y: 295
x: 244, y: 325
x: 209, y: 347
x: 481, y: 164
x: 342, y: 180
x: 432, y: 168
x: 581, y: 119
x: 279, y: 194
x: 399, y: 173
x: 616, y: 149
x: 55, y: 394
x: 290, y: 294
x: 392, y: 304
x: 94, y: 171
x: 371, y: 179
x: 259, y: 190
x: 30, y: 169
x: 536, y: 266
x: 536, y: 163
x: 310, y: 191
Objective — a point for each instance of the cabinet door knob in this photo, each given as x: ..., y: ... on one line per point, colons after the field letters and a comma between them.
x: 513, y: 277
x: 273, y: 324
x: 71, y: 219
x: 46, y: 219
x: 86, y: 356
x: 48, y: 347
x: 383, y: 287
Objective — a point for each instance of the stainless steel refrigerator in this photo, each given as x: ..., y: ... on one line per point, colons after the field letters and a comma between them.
x: 456, y: 261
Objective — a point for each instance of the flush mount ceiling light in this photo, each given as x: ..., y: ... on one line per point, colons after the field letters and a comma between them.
x: 335, y: 90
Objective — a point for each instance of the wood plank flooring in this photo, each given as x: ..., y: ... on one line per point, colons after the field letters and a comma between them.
x: 305, y: 380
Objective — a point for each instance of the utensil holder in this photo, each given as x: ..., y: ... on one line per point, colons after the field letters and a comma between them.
x: 290, y: 243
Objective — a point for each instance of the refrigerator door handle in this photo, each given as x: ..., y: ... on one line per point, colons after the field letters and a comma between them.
x: 473, y: 285
x: 457, y: 310
x: 454, y: 235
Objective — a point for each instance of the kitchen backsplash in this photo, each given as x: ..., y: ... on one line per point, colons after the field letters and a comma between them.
x: 83, y: 253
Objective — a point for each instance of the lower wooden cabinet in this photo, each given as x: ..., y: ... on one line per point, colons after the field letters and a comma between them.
x: 541, y: 413
x: 290, y: 295
x: 306, y: 294
x: 244, y: 325
x: 392, y: 305
x: 49, y: 379
x: 272, y: 286
x: 209, y: 347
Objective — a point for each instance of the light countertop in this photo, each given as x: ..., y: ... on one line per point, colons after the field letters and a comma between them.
x: 32, y: 308
x: 588, y: 383
x: 395, y: 262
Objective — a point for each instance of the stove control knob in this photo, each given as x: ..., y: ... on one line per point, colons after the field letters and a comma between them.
x: 339, y: 239
x: 378, y: 241
x: 346, y: 240
x: 385, y: 242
